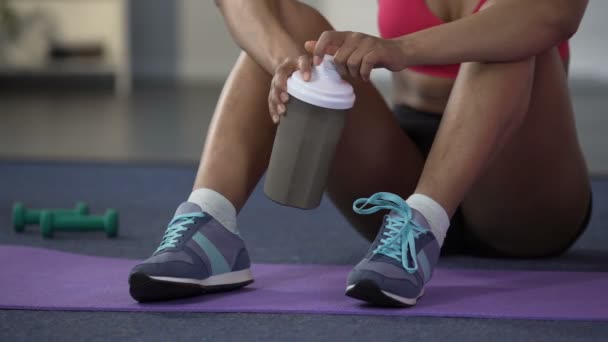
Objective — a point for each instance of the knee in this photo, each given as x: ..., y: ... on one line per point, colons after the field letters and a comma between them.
x: 293, y: 10
x: 302, y: 21
x: 505, y: 89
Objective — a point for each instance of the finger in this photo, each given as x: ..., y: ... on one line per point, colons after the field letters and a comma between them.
x: 304, y: 65
x: 276, y: 99
x: 331, y: 50
x: 342, y: 56
x: 272, y: 109
x: 346, y: 50
x: 354, y: 63
x: 368, y: 63
x: 284, y: 97
x: 356, y: 58
x: 274, y: 103
x: 309, y: 46
x: 340, y: 63
x: 279, y: 98
x: 280, y: 78
x: 279, y: 108
x: 327, y: 41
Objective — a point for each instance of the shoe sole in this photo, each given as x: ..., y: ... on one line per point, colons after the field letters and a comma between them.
x: 369, y: 291
x: 144, y: 288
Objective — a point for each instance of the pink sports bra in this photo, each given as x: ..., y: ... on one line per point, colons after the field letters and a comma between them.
x: 397, y: 18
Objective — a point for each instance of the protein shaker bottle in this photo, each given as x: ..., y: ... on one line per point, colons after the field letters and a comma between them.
x: 307, y: 136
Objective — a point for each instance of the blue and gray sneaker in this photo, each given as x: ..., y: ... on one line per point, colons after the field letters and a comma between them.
x: 401, y: 259
x: 196, y: 255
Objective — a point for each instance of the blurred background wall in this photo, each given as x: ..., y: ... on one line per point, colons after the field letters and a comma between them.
x: 203, y: 51
x: 180, y: 52
x: 186, y: 40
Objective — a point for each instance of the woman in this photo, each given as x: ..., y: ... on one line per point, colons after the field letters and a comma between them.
x: 481, y: 139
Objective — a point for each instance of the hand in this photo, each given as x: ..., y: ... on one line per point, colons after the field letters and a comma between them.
x: 278, y: 96
x: 356, y: 54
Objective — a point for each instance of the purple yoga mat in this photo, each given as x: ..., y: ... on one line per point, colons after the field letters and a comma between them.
x: 41, y: 279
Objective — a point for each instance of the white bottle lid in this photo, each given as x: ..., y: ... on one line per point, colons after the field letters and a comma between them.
x: 325, y: 88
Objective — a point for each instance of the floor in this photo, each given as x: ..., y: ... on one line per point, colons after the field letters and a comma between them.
x: 168, y: 124
x: 274, y: 234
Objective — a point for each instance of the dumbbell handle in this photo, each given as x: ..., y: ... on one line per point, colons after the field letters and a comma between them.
x: 78, y: 223
x: 50, y: 222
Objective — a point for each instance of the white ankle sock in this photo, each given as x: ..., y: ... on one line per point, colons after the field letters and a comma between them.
x: 433, y: 212
x: 217, y: 206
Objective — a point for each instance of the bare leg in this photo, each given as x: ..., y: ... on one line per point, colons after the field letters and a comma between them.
x: 240, y: 136
x: 487, y: 104
x: 508, y: 147
x: 533, y: 197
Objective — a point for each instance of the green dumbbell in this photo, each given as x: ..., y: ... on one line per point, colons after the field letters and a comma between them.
x: 51, y: 222
x: 23, y: 216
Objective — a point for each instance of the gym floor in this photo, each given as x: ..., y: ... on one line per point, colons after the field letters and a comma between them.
x: 81, y: 138
x: 168, y: 124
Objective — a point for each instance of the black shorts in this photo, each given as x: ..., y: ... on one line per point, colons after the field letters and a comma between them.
x: 421, y: 127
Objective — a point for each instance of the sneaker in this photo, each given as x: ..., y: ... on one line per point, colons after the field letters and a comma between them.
x: 400, y: 261
x: 196, y: 255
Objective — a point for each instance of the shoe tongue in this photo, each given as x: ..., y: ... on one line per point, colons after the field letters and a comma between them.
x: 416, y: 217
x: 394, y: 215
x: 187, y: 208
x: 420, y: 219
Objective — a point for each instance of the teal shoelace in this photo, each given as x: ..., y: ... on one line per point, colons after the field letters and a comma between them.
x: 398, y: 239
x: 175, y: 230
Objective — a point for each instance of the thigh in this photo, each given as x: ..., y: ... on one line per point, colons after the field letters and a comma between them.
x: 534, y: 196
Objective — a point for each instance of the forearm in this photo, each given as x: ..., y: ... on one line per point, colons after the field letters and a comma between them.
x: 508, y: 30
x: 256, y: 27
